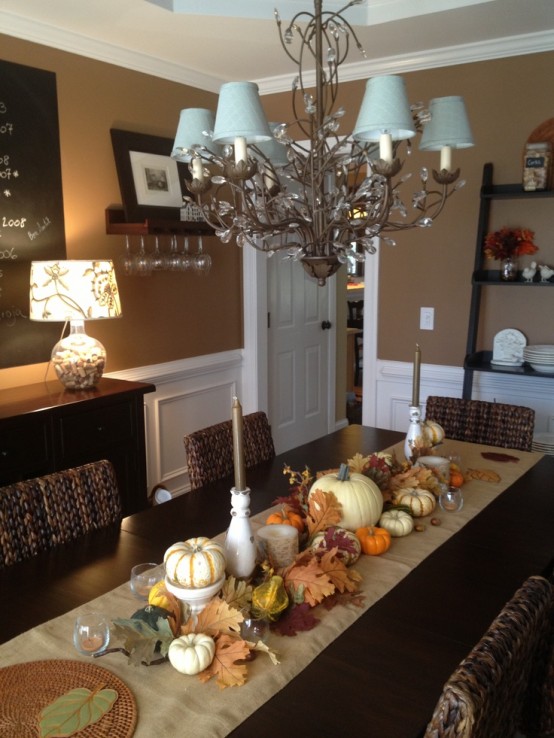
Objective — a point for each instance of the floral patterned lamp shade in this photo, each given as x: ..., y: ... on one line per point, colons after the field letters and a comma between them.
x: 75, y: 291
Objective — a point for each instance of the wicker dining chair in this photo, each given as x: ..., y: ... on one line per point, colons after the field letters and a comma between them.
x: 478, y: 421
x: 495, y: 690
x: 45, y: 512
x: 210, y: 450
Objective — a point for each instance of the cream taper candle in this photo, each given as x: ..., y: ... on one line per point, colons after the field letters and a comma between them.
x: 415, y: 386
x: 238, y: 446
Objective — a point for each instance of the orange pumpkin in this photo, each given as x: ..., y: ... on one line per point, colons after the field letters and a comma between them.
x: 286, y: 517
x: 374, y: 541
x: 456, y: 478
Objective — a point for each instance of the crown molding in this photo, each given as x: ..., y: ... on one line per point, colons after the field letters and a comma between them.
x: 444, y: 57
x: 74, y: 43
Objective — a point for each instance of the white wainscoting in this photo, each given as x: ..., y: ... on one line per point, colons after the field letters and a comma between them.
x: 190, y: 394
x: 393, y: 391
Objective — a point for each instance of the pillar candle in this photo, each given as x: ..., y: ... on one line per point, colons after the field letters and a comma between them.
x: 197, y: 170
x: 238, y: 447
x: 415, y: 386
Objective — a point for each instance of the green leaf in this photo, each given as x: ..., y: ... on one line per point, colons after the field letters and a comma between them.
x: 75, y: 710
x: 143, y: 643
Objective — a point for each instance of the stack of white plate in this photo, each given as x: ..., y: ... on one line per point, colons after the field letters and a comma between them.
x: 544, y: 442
x: 540, y: 357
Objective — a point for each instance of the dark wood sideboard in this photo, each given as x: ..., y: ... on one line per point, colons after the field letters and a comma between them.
x: 46, y: 428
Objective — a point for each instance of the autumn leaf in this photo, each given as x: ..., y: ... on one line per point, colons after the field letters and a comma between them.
x: 224, y: 667
x: 324, y: 510
x: 217, y: 617
x: 357, y: 463
x: 262, y: 647
x: 236, y: 593
x: 296, y: 620
x: 310, y: 579
x: 143, y: 643
x: 338, y: 573
x: 343, y: 598
x: 75, y: 710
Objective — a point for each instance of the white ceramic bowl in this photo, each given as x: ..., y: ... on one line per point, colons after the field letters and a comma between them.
x: 196, y: 598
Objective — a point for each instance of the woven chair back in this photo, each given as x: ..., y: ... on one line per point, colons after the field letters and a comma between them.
x: 477, y: 421
x: 45, y: 512
x: 210, y: 450
x: 490, y: 694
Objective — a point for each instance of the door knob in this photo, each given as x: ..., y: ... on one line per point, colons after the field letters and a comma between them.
x: 325, y: 325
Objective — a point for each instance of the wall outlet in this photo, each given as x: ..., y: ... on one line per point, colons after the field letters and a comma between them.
x: 427, y: 319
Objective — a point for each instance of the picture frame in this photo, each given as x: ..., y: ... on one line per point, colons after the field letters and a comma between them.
x: 152, y: 184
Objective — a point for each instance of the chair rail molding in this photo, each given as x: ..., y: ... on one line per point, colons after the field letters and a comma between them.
x: 190, y: 394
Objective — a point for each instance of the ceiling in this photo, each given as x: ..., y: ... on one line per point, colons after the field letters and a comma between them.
x: 205, y: 50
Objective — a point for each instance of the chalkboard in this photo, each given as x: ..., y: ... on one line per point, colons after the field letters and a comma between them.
x: 31, y: 206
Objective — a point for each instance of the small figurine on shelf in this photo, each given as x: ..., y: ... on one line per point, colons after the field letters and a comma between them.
x: 546, y: 272
x: 529, y: 272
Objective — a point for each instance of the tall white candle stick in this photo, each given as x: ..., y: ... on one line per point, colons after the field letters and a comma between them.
x: 417, y: 369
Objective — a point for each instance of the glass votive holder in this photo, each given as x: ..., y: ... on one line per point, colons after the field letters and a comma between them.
x: 143, y: 578
x: 254, y: 629
x: 451, y: 500
x: 278, y: 543
x: 91, y: 633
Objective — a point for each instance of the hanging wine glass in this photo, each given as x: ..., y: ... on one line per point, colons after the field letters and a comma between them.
x: 143, y: 261
x: 174, y: 260
x: 158, y: 261
x: 202, y: 261
x: 187, y: 260
x: 127, y: 260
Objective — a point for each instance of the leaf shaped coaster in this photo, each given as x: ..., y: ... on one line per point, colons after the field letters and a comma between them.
x: 74, y: 711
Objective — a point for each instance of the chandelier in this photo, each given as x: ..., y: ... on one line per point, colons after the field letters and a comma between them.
x: 322, y: 198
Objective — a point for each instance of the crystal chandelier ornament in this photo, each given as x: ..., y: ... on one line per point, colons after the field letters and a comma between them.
x: 327, y: 198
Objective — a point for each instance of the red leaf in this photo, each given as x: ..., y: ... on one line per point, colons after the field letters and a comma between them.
x: 297, y: 619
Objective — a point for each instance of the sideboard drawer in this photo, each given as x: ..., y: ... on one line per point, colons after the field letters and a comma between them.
x: 98, y: 427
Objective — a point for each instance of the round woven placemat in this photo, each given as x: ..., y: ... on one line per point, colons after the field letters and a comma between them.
x: 25, y: 689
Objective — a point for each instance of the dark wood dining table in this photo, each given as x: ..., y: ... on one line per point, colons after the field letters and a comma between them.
x: 382, y: 676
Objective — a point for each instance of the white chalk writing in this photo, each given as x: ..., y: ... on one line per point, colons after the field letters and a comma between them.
x: 41, y: 226
x: 11, y: 315
x: 8, y: 254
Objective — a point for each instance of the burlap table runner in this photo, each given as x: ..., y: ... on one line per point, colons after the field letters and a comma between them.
x: 170, y: 704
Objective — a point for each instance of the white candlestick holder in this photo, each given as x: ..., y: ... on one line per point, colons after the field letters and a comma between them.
x: 240, y: 545
x: 415, y: 438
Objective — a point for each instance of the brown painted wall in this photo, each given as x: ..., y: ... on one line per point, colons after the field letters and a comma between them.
x: 166, y: 316
x: 169, y: 316
x: 506, y: 100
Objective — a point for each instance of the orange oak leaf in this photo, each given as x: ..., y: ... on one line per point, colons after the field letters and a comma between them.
x: 343, y: 578
x: 308, y: 583
x: 324, y: 510
x: 217, y: 617
x: 224, y: 667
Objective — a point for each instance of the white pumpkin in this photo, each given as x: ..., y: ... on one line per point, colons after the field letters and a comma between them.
x: 434, y: 432
x: 192, y: 653
x: 197, y: 562
x: 397, y: 522
x: 421, y: 502
x: 360, y: 497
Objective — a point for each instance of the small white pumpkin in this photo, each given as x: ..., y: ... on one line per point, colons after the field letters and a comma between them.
x: 397, y: 522
x: 192, y: 653
x: 434, y: 432
x: 421, y: 502
x: 360, y: 497
x: 197, y: 562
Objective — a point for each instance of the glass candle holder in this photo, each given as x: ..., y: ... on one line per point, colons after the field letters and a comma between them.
x: 91, y: 633
x: 451, y: 500
x: 143, y: 578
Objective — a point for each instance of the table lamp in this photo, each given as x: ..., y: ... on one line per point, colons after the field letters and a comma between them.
x: 75, y: 291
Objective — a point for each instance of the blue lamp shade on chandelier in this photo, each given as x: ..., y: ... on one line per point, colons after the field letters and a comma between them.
x: 75, y: 291
x: 240, y: 115
x: 193, y: 132
x: 447, y: 129
x: 385, y: 110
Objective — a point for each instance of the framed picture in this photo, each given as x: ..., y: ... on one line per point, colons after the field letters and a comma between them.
x: 151, y: 182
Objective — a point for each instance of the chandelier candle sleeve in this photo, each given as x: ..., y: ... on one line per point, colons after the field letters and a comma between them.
x: 385, y: 147
x: 417, y: 367
x: 238, y: 447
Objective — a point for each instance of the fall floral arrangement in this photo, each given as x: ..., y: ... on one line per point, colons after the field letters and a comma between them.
x: 338, y: 517
x: 509, y: 242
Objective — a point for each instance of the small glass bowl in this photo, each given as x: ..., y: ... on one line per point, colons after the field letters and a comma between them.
x: 451, y: 500
x: 143, y: 578
x: 91, y: 633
